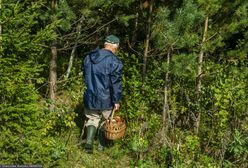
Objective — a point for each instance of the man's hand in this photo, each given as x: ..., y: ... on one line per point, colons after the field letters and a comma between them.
x: 117, y: 107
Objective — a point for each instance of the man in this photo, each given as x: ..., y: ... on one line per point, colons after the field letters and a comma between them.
x: 102, y: 74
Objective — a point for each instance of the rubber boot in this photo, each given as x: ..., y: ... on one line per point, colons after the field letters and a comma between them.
x: 102, y: 140
x: 91, y: 130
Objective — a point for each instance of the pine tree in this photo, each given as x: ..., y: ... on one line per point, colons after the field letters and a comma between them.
x: 21, y: 115
x: 175, y: 32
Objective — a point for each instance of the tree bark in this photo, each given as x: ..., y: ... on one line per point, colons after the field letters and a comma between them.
x: 147, y: 41
x: 166, y: 113
x: 134, y: 36
x: 199, y: 76
x: 79, y: 26
x: 54, y: 4
x: 53, y: 66
x: 53, y: 74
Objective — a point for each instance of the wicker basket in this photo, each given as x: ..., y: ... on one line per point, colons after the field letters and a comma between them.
x: 114, y: 128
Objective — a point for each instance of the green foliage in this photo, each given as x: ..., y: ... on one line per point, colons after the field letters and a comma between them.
x: 132, y: 94
x: 65, y: 14
x: 32, y: 134
x: 104, y: 3
x: 227, y: 101
x: 125, y: 19
x: 210, y: 6
x: 238, y: 148
x: 62, y: 15
x: 177, y: 31
x: 145, y: 163
x: 23, y: 119
x: 184, y: 66
x: 139, y: 144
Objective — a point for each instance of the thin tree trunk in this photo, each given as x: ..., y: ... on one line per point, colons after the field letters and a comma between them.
x: 147, y: 41
x: 53, y: 66
x: 199, y: 75
x: 107, y: 31
x: 54, y: 5
x: 53, y: 74
x: 166, y: 114
x: 79, y: 26
x: 134, y: 36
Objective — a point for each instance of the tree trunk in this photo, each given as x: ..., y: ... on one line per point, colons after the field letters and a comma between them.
x: 54, y: 4
x: 134, y: 36
x: 166, y: 114
x: 53, y: 74
x: 147, y: 41
x: 73, y: 50
x: 199, y: 75
x: 53, y: 66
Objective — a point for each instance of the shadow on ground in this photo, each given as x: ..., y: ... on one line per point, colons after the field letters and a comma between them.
x: 80, y: 120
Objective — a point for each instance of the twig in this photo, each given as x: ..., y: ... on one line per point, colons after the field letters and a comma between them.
x: 100, y: 28
x: 211, y: 36
x: 129, y: 45
x: 42, y: 45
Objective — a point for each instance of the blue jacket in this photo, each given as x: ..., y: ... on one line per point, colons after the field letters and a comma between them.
x: 102, y: 75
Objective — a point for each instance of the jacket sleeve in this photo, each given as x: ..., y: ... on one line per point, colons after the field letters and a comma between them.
x: 115, y: 78
x: 84, y: 64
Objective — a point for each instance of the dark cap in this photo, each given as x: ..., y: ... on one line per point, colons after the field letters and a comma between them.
x: 112, y: 39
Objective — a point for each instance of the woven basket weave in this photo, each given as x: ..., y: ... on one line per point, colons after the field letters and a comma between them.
x: 114, y: 128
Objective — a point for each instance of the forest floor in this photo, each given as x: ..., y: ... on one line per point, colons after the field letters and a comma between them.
x: 116, y: 156
x: 111, y: 157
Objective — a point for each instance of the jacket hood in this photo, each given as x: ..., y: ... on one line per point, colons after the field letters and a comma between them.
x: 98, y: 55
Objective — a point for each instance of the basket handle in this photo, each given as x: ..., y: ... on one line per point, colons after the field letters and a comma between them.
x: 112, y: 114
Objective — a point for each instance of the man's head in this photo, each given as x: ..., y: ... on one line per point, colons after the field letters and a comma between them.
x: 112, y: 43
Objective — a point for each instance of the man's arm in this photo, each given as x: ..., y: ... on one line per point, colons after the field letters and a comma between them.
x: 116, y: 86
